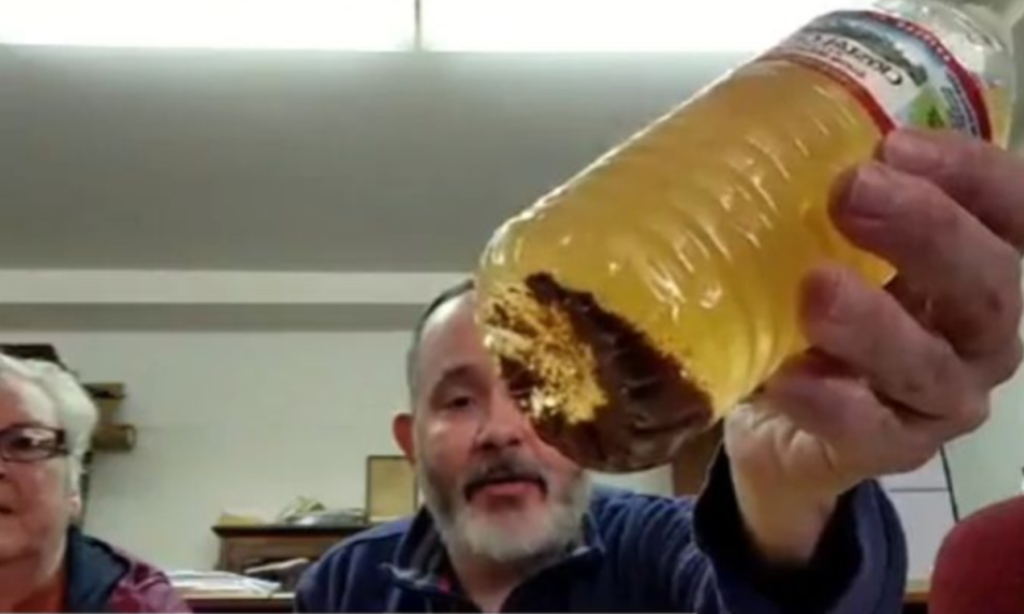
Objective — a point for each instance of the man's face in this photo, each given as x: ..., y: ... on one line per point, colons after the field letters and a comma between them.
x: 493, y: 486
x: 36, y: 503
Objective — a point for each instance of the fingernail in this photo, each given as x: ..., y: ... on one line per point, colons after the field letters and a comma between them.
x: 912, y: 151
x: 823, y: 296
x: 868, y: 190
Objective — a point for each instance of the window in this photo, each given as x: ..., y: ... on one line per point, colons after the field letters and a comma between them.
x: 613, y: 25
x: 368, y: 25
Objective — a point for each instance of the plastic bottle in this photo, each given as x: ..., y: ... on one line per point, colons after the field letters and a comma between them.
x: 638, y: 303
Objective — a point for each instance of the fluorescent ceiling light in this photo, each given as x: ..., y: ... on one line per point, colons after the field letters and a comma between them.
x: 614, y: 25
x: 241, y: 24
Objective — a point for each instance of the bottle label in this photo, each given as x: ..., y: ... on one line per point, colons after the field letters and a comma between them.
x: 902, y: 74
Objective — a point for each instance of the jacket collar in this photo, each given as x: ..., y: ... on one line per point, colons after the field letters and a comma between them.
x: 93, y: 573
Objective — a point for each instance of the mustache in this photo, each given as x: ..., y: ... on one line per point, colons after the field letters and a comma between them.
x: 506, y: 468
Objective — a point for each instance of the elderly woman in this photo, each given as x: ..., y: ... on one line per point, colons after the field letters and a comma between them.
x: 46, y: 564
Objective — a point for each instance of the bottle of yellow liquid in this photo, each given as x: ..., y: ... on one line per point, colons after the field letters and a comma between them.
x: 638, y: 303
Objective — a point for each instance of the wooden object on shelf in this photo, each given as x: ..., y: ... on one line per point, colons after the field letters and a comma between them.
x: 391, y: 490
x: 108, y: 398
x: 114, y: 438
x: 690, y: 467
x: 107, y: 390
x: 111, y: 435
x: 33, y: 351
x: 243, y: 547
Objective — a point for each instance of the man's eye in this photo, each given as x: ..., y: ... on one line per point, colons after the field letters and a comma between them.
x: 462, y: 401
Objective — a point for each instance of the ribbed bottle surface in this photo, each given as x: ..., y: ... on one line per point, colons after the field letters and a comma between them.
x: 678, y: 256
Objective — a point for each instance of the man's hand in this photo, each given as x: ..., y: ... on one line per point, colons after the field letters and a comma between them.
x: 896, y: 373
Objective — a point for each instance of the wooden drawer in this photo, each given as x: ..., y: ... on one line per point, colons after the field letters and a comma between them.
x: 245, y: 547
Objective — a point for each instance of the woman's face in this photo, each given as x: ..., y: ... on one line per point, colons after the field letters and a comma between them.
x: 36, y: 501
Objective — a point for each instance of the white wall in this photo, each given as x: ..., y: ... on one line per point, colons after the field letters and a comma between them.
x: 238, y: 420
x: 987, y: 465
x: 925, y: 506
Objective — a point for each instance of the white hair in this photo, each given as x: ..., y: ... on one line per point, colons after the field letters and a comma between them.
x: 43, y: 384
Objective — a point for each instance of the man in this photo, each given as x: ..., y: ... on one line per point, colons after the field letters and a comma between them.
x: 47, y: 565
x: 791, y: 520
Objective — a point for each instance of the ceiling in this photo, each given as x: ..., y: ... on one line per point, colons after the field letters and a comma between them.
x: 300, y: 161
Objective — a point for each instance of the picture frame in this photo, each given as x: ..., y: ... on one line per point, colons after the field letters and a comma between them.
x: 392, y: 491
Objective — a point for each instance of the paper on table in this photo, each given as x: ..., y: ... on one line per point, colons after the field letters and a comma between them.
x: 220, y: 583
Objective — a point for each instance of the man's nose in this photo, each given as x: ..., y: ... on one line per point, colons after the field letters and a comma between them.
x: 505, y: 424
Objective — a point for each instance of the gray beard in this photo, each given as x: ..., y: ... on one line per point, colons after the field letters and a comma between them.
x: 462, y: 531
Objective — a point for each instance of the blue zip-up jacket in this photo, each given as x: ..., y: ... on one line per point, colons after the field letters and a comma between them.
x: 639, y: 553
x: 101, y: 578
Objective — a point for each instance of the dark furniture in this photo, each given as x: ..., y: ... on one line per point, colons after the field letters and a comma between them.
x: 244, y: 547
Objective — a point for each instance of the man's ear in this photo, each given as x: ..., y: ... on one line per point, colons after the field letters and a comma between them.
x: 75, y: 506
x: 402, y: 431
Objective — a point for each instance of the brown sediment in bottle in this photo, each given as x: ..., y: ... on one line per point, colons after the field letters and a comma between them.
x: 595, y: 386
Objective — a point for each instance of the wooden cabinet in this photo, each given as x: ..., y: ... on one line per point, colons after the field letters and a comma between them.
x: 243, y: 547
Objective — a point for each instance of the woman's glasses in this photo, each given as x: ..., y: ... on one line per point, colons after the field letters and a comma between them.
x: 29, y: 443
